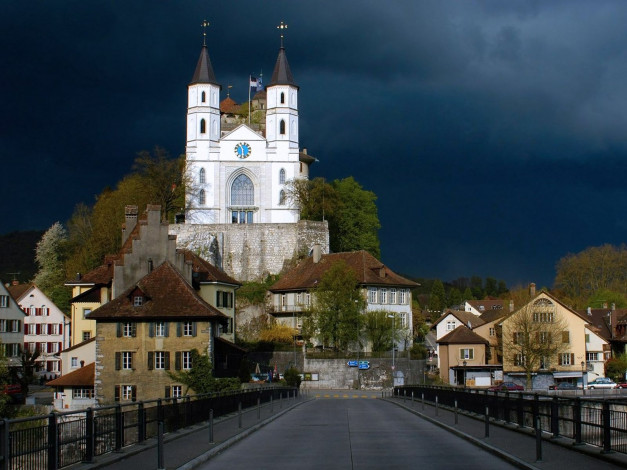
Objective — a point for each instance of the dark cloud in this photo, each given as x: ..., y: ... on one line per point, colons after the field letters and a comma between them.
x: 492, y: 132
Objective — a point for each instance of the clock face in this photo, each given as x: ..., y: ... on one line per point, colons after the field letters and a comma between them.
x: 242, y: 150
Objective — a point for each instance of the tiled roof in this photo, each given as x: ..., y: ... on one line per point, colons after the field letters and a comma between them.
x: 368, y: 270
x: 101, y: 275
x: 83, y: 377
x: 491, y: 315
x: 465, y: 317
x: 488, y: 304
x: 19, y: 290
x: 91, y: 295
x: 76, y: 346
x: 166, y: 295
x: 204, y: 271
x: 228, y: 105
x: 462, y: 335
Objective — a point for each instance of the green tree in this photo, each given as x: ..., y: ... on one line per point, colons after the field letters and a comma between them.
x: 491, y: 287
x: 337, y: 310
x: 24, y: 374
x: 292, y: 377
x: 467, y: 295
x: 378, y: 330
x: 607, y: 297
x: 616, y: 367
x: 437, y: 297
x: 50, y: 254
x: 476, y: 286
x: 454, y: 297
x: 200, y: 377
x: 316, y: 199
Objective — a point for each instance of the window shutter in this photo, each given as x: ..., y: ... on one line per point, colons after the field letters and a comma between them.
x: 119, y: 330
x: 60, y: 328
x: 178, y: 329
x: 218, y: 299
x: 167, y: 360
x: 572, y: 359
x: 177, y: 360
x: 167, y: 329
x: 133, y: 361
x: 134, y: 392
x: 25, y: 329
x: 167, y: 391
x: 151, y: 360
x: 117, y: 393
x: 134, y: 330
x: 193, y: 328
x: 38, y: 329
x: 118, y: 361
x: 151, y: 329
x: 559, y: 359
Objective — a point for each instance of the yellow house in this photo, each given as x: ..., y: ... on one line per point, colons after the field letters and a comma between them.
x: 489, y: 330
x: 462, y: 356
x: 543, y: 343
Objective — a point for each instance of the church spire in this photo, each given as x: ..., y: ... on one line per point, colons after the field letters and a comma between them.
x: 204, y: 70
x: 282, y: 74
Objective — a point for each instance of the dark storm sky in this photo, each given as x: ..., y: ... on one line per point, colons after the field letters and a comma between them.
x: 492, y: 132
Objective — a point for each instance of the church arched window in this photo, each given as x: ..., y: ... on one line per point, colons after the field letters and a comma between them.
x: 282, y: 127
x: 203, y: 97
x: 201, y: 176
x: 201, y: 197
x: 282, y: 198
x: 203, y: 126
x: 282, y: 176
x: 242, y: 191
x: 282, y: 98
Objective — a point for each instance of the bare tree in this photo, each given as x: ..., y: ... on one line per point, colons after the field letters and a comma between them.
x: 533, y: 338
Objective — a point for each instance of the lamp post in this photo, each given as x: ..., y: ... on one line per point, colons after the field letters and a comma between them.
x: 583, y: 381
x: 393, y: 317
x: 465, y: 364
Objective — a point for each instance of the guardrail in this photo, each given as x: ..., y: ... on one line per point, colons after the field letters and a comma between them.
x: 602, y: 423
x: 60, y: 439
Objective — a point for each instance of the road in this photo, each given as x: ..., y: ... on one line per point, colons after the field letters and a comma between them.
x: 355, y: 433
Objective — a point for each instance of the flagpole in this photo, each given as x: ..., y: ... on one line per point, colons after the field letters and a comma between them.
x: 249, y: 78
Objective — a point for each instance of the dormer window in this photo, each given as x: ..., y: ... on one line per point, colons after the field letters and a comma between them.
x: 138, y: 300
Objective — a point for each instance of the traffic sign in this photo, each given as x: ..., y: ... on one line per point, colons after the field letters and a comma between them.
x: 364, y: 366
x: 352, y: 364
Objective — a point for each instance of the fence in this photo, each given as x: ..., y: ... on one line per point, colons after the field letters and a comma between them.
x: 601, y: 423
x: 61, y: 439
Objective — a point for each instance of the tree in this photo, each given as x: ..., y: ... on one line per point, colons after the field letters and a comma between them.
x: 200, y: 377
x: 292, y: 377
x: 476, y: 286
x: 616, y: 367
x: 336, y: 312
x: 355, y: 224
x: 437, y: 297
x: 278, y: 333
x: 24, y: 374
x: 50, y: 254
x: 532, y: 337
x: 378, y: 330
x: 454, y: 297
x: 467, y: 295
x: 605, y: 297
x: 316, y: 199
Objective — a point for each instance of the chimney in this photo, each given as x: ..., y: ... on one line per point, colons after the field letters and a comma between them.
x: 130, y: 217
x: 78, y: 276
x: 613, y: 306
x: 532, y: 289
x: 150, y: 265
x: 82, y: 363
x: 589, y: 311
x: 317, y: 254
x: 604, y: 304
x: 305, y: 151
x: 511, y: 305
x: 15, y: 282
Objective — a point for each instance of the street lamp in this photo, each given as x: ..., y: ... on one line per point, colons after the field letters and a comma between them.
x: 393, y: 317
x: 583, y: 382
x: 465, y: 363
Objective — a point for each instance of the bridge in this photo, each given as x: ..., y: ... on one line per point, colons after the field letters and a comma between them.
x: 344, y: 429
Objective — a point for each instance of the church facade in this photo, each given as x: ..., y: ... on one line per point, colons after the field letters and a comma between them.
x: 238, y: 214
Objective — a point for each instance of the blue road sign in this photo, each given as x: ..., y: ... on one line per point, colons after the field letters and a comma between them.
x: 352, y: 363
x: 364, y: 366
x: 364, y: 362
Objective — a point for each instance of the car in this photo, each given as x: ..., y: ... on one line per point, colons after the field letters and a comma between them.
x: 621, y: 385
x: 602, y: 382
x: 507, y: 387
x: 563, y: 386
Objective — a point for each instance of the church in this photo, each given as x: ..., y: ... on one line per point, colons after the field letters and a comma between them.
x: 238, y: 214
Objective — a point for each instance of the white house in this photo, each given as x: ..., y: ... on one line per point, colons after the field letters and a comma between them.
x: 597, y: 352
x: 11, y: 327
x: 449, y: 321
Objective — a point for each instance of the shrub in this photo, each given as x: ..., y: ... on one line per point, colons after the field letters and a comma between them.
x: 292, y: 377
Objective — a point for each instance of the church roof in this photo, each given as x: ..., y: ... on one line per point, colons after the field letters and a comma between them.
x: 282, y: 74
x: 228, y: 105
x: 204, y: 70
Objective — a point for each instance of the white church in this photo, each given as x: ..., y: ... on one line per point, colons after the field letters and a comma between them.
x: 238, y: 215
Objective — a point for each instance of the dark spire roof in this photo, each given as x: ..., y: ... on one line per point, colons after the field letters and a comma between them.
x: 282, y: 74
x: 204, y: 70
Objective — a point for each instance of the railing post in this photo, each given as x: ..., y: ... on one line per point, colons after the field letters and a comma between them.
x: 53, y: 442
x: 423, y: 400
x: 538, y: 429
x: 258, y: 409
x: 5, y: 449
x: 520, y: 411
x: 160, y: 460
x: 607, y: 430
x: 211, y: 426
x: 436, y: 405
x: 272, y: 403
x: 239, y: 414
x: 456, y: 419
x: 555, y: 421
x: 577, y: 421
x: 506, y: 409
x: 487, y: 421
x: 90, y: 436
x: 141, y: 422
x: 188, y: 411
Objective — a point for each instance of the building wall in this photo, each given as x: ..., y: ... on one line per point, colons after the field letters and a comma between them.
x: 149, y: 384
x: 11, y: 338
x: 594, y: 347
x: 450, y: 357
x: 208, y: 294
x: 488, y: 331
x: 249, y: 252
x: 85, y: 354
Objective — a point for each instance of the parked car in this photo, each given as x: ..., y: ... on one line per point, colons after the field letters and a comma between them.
x: 507, y: 386
x: 602, y: 382
x: 563, y: 386
x: 621, y: 385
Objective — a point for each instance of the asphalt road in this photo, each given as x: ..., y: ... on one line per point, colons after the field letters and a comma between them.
x: 359, y: 433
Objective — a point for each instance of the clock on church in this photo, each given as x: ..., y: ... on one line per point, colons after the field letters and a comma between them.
x: 242, y: 150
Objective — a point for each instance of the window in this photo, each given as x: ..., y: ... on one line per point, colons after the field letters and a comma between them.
x: 54, y: 329
x: 282, y: 98
x: 383, y: 299
x: 299, y: 298
x: 565, y: 337
x: 129, y: 330
x: 86, y: 335
x: 467, y: 353
x: 519, y: 360
x: 74, y: 362
x: 592, y: 356
x: 517, y: 337
x: 32, y: 311
x: 201, y: 197
x: 32, y: 347
x: 402, y: 299
x: 82, y: 393
x: 177, y: 391
x: 203, y: 126
x: 203, y: 97
x: 160, y: 360
x: 283, y: 300
x: 31, y: 329
x: 187, y: 360
x: 160, y: 328
x: 45, y: 311
x: 127, y: 360
x: 281, y: 198
x: 138, y: 301
x: 43, y: 329
x: 282, y: 176
x: 566, y: 359
x: 307, y: 299
x: 392, y: 295
x: 4, y: 301
x: 544, y: 363
x: 372, y: 295
x: 242, y: 191
x: 587, y: 338
x: 16, y: 326
x: 492, y: 332
x: 86, y: 311
x: 3, y: 326
x: 12, y: 350
x: 242, y: 217
x: 450, y: 325
x: 188, y: 328
x: 544, y: 337
x: 128, y: 392
x: 282, y: 127
x: 53, y: 347
x: 201, y: 177
x: 403, y: 317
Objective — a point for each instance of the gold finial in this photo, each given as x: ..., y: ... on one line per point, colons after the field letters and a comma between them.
x: 205, y: 25
x: 281, y: 27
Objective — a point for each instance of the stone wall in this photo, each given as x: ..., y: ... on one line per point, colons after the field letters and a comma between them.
x: 249, y: 252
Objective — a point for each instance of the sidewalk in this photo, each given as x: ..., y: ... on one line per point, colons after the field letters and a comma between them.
x: 186, y: 448
x: 516, y: 445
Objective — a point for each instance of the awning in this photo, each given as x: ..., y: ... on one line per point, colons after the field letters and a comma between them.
x: 565, y: 375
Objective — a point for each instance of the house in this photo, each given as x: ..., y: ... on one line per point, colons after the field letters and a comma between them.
x: 449, y: 321
x: 147, y: 330
x: 490, y: 331
x: 462, y: 356
x: 478, y: 307
x: 11, y: 327
x: 382, y: 288
x: 547, y: 318
x: 597, y: 352
x: 46, y: 328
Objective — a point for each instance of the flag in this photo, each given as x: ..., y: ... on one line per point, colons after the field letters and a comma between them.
x: 254, y: 85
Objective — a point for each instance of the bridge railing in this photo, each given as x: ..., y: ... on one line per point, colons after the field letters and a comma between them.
x: 602, y: 423
x: 60, y: 439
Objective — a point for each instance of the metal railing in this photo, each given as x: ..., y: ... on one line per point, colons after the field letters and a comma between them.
x: 602, y: 423
x: 60, y: 439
